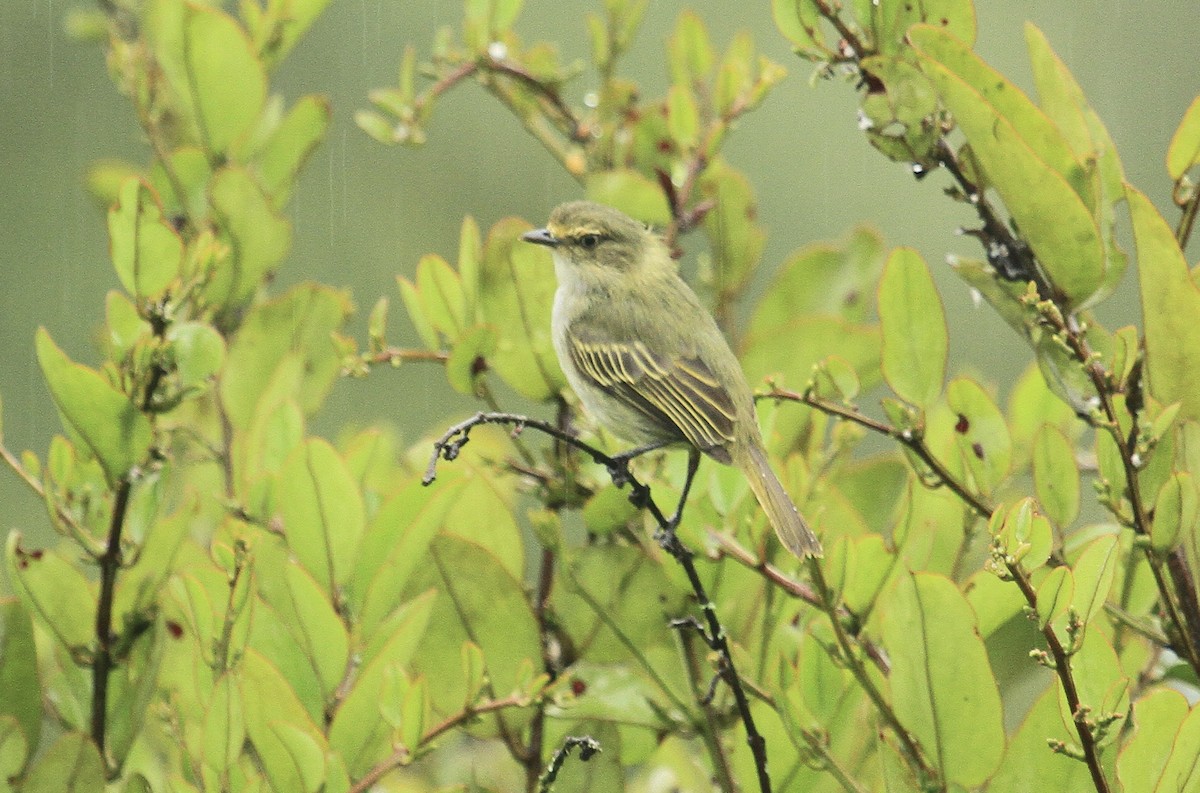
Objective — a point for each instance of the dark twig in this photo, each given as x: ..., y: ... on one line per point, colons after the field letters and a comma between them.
x: 1062, y: 668
x: 1187, y: 220
x: 588, y: 747
x: 450, y: 445
x: 104, y: 662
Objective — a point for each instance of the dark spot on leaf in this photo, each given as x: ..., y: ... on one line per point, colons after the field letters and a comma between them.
x: 36, y: 554
x: 578, y: 686
x: 752, y: 212
x: 963, y: 425
x: 478, y: 366
x: 851, y: 298
x: 178, y: 222
x: 945, y: 21
x: 22, y: 562
x: 665, y: 146
x: 874, y: 84
x: 977, y: 448
x: 175, y: 629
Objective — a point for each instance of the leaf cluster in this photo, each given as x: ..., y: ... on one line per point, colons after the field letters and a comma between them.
x: 235, y: 604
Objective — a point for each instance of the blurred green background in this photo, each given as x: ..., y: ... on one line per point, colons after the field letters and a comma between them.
x: 364, y: 213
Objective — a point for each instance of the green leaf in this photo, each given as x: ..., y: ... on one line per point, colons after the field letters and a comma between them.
x: 915, y: 339
x: 268, y: 700
x: 198, y: 351
x: 1184, y: 149
x: 19, y: 679
x: 927, y: 621
x: 308, y: 612
x: 71, y: 765
x: 1029, y: 765
x: 1157, y: 718
x: 395, y: 545
x: 1061, y: 98
x: 293, y: 141
x: 516, y: 293
x: 1028, y: 162
x: 629, y: 191
x: 190, y: 170
x: 1024, y: 534
x: 260, y: 236
x: 442, y: 296
x: 470, y: 259
x: 296, y: 326
x: 358, y: 731
x: 734, y: 235
x: 683, y: 117
x: 218, y: 81
x: 1100, y: 681
x: 104, y: 418
x: 981, y: 433
x: 798, y: 21
x: 823, y: 278
x: 224, y: 727
x: 1056, y: 475
x: 146, y: 251
x: 1095, y: 571
x: 1055, y: 594
x: 893, y: 18
x: 14, y: 750
x: 790, y: 351
x: 1170, y: 304
x: 306, y: 753
x: 322, y: 512
x: 689, y: 50
x: 415, y: 306
x: 483, y: 603
x: 54, y: 590
x: 462, y: 369
x: 995, y: 602
x: 1176, y: 510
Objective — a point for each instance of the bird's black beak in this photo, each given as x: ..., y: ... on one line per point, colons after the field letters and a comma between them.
x: 540, y: 237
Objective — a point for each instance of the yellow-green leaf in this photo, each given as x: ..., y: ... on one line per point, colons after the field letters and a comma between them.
x: 1184, y: 150
x: 915, y: 340
x: 1170, y: 305
x: 107, y: 421
x: 927, y: 621
x: 1056, y: 475
x: 146, y: 251
x: 1026, y: 159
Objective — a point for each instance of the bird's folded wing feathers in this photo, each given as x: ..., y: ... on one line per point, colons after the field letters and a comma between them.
x: 681, y: 391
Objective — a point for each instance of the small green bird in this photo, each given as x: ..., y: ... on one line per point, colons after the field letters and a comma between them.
x: 648, y: 361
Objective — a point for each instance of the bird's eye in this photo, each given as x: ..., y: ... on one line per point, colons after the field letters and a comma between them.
x: 589, y: 241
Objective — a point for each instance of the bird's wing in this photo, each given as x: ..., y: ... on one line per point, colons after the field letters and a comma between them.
x: 679, y: 391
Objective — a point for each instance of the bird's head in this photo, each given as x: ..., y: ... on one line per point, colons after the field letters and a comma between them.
x: 600, y: 240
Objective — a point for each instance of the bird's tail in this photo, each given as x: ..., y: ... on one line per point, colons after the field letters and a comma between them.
x: 791, y: 528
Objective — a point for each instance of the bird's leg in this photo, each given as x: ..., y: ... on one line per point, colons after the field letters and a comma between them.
x: 693, y: 464
x: 619, y: 469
